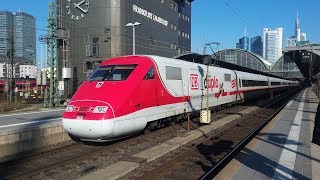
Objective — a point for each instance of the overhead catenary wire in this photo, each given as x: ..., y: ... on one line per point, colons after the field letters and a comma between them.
x: 236, y: 12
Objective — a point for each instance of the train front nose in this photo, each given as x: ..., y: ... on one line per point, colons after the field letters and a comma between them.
x: 87, y: 121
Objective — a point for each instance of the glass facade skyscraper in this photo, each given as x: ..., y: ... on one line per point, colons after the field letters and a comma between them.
x: 257, y: 45
x: 20, y: 29
x: 25, y: 37
x: 243, y: 43
x: 6, y: 32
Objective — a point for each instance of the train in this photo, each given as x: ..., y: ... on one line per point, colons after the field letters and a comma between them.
x: 126, y: 94
x: 21, y: 84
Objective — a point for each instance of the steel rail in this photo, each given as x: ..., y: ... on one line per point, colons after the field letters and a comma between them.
x: 227, y: 158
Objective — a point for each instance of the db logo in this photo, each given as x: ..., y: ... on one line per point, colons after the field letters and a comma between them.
x: 99, y: 84
x: 194, y: 81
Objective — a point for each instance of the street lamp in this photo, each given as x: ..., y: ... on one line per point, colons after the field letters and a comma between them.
x: 133, y: 36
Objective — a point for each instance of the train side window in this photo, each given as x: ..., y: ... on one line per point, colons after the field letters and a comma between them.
x: 227, y: 77
x: 275, y: 83
x: 150, y: 74
x: 173, y: 73
x: 239, y: 82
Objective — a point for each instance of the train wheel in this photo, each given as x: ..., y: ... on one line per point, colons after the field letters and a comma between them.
x: 151, y: 126
x: 172, y: 121
x: 184, y: 116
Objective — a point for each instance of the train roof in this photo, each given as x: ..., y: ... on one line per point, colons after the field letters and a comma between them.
x: 198, y: 58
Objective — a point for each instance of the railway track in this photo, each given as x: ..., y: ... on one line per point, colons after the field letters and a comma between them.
x: 80, y: 159
x: 204, y: 158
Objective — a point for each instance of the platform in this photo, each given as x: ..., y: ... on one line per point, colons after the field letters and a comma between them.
x: 283, y: 149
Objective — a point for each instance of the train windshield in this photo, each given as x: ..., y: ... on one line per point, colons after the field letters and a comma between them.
x: 111, y: 73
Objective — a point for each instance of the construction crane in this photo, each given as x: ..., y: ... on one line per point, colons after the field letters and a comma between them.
x: 209, y: 44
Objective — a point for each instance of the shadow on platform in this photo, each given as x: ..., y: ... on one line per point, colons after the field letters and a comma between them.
x: 265, y: 165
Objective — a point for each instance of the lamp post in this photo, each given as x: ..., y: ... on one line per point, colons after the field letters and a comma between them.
x: 133, y: 36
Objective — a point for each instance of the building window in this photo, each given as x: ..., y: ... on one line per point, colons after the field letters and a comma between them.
x: 174, y: 27
x: 179, y: 32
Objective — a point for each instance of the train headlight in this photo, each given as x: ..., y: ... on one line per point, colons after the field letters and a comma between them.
x: 69, y: 108
x: 100, y: 109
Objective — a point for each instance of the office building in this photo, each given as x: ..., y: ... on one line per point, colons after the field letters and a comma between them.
x: 6, y: 33
x: 97, y: 31
x: 299, y: 38
x: 19, y: 71
x: 18, y: 34
x: 25, y: 38
x: 303, y: 37
x: 272, y: 44
x: 257, y: 45
x: 243, y: 43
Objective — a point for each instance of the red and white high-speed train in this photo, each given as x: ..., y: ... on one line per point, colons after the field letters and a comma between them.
x: 123, y: 94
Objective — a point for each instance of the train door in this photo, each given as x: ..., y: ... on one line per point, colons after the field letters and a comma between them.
x: 195, y: 88
x: 185, y: 89
x: 240, y: 95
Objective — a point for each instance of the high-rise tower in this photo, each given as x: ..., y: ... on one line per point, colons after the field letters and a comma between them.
x: 298, y: 38
x: 18, y: 29
x: 25, y: 37
x: 244, y: 42
x: 297, y: 28
x: 257, y: 45
x: 272, y: 44
x: 6, y: 33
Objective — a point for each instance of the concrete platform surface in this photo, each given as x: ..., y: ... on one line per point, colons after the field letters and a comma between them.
x: 283, y: 149
x: 122, y: 167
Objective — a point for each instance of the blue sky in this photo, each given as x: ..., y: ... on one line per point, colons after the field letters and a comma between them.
x: 37, y: 8
x: 214, y: 20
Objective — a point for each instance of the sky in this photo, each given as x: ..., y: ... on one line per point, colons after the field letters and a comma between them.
x: 220, y: 21
x: 224, y: 21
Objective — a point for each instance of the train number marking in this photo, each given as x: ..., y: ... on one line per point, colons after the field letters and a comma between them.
x: 79, y: 117
x: 194, y: 81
